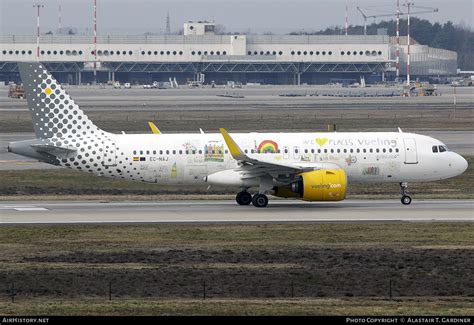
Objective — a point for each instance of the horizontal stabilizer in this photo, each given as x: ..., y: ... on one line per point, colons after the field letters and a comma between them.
x: 58, y: 151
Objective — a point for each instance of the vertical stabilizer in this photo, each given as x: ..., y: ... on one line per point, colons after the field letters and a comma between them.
x: 54, y: 112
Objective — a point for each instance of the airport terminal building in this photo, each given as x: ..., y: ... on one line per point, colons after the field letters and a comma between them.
x: 266, y: 59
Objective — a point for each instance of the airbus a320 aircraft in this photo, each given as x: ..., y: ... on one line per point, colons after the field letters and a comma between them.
x: 306, y: 166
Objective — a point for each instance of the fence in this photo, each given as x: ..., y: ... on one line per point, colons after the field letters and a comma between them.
x: 389, y: 288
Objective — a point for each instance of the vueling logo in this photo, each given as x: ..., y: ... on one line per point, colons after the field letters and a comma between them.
x: 321, y: 141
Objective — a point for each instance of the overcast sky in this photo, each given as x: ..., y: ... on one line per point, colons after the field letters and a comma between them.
x: 277, y: 16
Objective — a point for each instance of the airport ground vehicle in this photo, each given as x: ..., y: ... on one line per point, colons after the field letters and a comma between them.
x: 16, y: 91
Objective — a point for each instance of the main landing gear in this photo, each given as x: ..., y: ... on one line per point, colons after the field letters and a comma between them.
x: 258, y: 200
x: 243, y: 198
x: 406, y: 199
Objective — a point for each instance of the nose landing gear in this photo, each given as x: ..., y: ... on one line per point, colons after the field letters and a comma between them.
x: 406, y: 199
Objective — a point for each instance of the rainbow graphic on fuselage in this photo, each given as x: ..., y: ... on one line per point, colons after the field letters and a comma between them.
x: 268, y: 146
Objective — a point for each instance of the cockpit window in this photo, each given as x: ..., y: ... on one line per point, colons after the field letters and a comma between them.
x: 442, y: 149
x: 435, y: 149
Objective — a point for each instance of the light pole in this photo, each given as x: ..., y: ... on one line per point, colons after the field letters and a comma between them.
x: 408, y: 4
x: 59, y: 17
x: 347, y: 15
x: 38, y: 6
x: 95, y: 42
x: 398, y: 41
x: 454, y: 102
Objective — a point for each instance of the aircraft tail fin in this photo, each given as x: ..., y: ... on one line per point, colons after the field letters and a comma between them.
x: 54, y: 112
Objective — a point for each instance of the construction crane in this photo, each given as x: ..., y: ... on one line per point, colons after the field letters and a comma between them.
x: 365, y: 16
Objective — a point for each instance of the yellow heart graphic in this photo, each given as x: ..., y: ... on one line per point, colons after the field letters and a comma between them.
x: 321, y: 141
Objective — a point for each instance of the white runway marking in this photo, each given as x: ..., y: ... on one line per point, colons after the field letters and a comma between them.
x: 22, y: 208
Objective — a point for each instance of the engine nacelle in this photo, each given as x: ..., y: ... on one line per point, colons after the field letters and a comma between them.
x: 318, y: 185
x: 230, y: 177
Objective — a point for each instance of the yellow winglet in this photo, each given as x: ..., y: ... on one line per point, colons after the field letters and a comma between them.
x: 234, y: 149
x: 153, y: 128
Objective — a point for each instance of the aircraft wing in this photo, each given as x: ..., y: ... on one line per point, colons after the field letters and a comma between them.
x: 251, y: 167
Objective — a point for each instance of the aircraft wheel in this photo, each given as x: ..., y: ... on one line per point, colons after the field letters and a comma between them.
x: 406, y: 200
x: 260, y: 200
x: 243, y: 198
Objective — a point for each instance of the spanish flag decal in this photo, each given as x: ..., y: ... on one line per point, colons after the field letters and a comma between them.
x: 136, y: 158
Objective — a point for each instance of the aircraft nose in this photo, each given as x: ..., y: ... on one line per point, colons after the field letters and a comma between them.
x: 462, y: 164
x: 459, y: 164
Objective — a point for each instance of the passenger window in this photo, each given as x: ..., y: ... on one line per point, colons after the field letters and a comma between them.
x: 134, y: 152
x: 252, y: 151
x: 338, y: 150
x: 305, y: 150
x: 187, y: 152
x: 141, y: 152
x: 384, y: 150
x: 332, y: 150
x: 325, y: 150
x: 312, y: 150
x: 390, y: 150
x: 357, y: 150
x: 371, y: 150
x: 377, y: 150
x: 286, y: 150
x: 148, y: 152
x: 174, y: 152
x: 319, y: 150
x: 246, y: 151
x: 194, y: 152
x: 364, y: 150
x: 352, y: 150
x: 345, y: 150
x: 161, y: 152
x: 181, y: 152
x: 200, y: 152
x: 154, y: 152
x: 396, y: 150
x: 442, y: 149
x: 167, y: 152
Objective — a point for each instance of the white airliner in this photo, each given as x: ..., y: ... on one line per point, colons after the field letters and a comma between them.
x: 306, y: 166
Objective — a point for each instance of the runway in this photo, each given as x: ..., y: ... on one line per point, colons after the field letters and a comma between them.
x: 223, y: 212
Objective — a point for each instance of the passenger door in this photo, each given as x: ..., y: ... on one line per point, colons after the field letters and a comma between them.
x: 411, y: 156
